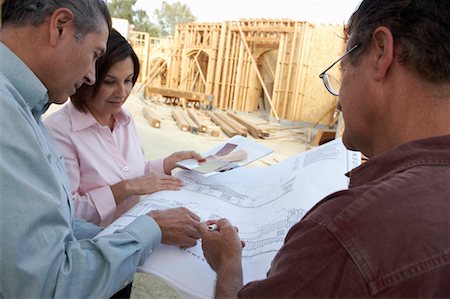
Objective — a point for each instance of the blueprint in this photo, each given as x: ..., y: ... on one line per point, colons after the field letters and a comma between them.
x: 264, y: 203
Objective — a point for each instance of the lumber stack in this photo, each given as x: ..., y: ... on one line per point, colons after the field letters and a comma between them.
x: 239, y: 128
x: 252, y: 129
x: 228, y: 129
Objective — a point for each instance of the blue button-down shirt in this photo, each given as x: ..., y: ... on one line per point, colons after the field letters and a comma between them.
x: 45, y: 251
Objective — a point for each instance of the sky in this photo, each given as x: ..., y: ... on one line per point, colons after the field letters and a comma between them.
x: 313, y: 11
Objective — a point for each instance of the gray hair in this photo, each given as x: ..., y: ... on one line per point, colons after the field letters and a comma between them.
x: 34, y: 12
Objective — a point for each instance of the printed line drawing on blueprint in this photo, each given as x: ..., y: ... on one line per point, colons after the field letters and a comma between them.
x: 237, y: 191
x: 269, y: 237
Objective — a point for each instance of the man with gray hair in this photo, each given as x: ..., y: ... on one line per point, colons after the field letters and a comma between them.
x: 388, y: 235
x: 48, y: 49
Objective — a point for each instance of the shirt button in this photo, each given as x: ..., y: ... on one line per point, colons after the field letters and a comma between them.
x: 125, y: 168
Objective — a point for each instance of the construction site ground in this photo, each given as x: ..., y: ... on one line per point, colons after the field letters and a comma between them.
x: 285, y: 141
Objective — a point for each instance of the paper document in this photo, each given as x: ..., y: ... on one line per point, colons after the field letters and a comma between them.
x: 235, y: 152
x: 264, y: 203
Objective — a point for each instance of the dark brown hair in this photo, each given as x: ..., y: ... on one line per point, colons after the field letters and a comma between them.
x: 421, y: 31
x: 117, y: 49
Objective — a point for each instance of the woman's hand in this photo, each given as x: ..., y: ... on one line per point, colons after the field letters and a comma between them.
x: 171, y: 161
x: 144, y: 185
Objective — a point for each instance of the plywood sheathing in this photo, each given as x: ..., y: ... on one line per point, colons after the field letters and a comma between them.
x: 251, y: 65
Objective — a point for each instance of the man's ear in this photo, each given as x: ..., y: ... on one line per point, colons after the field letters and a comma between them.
x: 60, y: 22
x: 382, y: 51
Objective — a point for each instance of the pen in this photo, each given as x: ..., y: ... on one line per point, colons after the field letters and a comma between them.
x: 212, y: 227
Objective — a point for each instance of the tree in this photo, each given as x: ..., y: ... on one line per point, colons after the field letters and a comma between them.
x: 124, y: 9
x: 172, y: 14
x: 167, y: 17
x: 143, y: 23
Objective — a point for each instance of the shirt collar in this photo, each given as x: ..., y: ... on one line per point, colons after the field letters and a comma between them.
x: 429, y: 151
x: 82, y: 120
x: 24, y: 80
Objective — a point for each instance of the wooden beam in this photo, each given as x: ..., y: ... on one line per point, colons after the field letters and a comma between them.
x: 227, y: 129
x: 290, y: 65
x: 253, y: 130
x: 261, y: 28
x: 192, y: 125
x: 240, y: 129
x: 181, y: 122
x: 269, y: 98
x: 215, y: 131
x: 199, y: 50
x: 323, y: 137
x: 152, y: 120
x: 201, y: 72
x: 220, y: 62
x: 175, y: 93
x: 194, y: 115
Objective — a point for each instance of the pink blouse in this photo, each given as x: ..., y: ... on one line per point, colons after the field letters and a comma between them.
x: 96, y: 157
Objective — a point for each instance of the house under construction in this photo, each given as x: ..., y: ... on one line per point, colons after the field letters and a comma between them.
x: 246, y: 65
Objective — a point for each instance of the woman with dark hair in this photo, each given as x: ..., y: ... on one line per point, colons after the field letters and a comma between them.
x: 99, y: 142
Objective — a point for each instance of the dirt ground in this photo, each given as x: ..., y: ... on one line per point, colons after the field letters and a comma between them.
x: 285, y: 141
x: 160, y: 142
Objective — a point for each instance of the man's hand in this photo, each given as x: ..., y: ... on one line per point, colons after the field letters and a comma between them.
x: 178, y: 226
x: 221, y: 246
x: 222, y: 249
x: 171, y: 161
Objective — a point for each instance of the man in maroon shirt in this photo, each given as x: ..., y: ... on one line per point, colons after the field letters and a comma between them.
x: 388, y: 235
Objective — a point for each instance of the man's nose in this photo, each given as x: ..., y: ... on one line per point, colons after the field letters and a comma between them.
x: 89, y: 78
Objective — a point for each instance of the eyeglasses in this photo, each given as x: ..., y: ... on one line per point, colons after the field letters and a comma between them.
x: 332, y: 84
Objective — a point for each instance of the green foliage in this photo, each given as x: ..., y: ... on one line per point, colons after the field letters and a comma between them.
x: 124, y: 9
x: 167, y: 17
x: 142, y: 23
x: 172, y: 14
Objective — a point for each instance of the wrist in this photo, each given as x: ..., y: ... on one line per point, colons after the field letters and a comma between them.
x: 229, y: 280
x: 121, y: 191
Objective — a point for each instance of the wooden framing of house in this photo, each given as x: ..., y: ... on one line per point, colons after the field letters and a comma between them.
x: 248, y: 65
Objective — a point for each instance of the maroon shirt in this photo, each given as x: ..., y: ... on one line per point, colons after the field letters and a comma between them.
x: 387, y: 236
